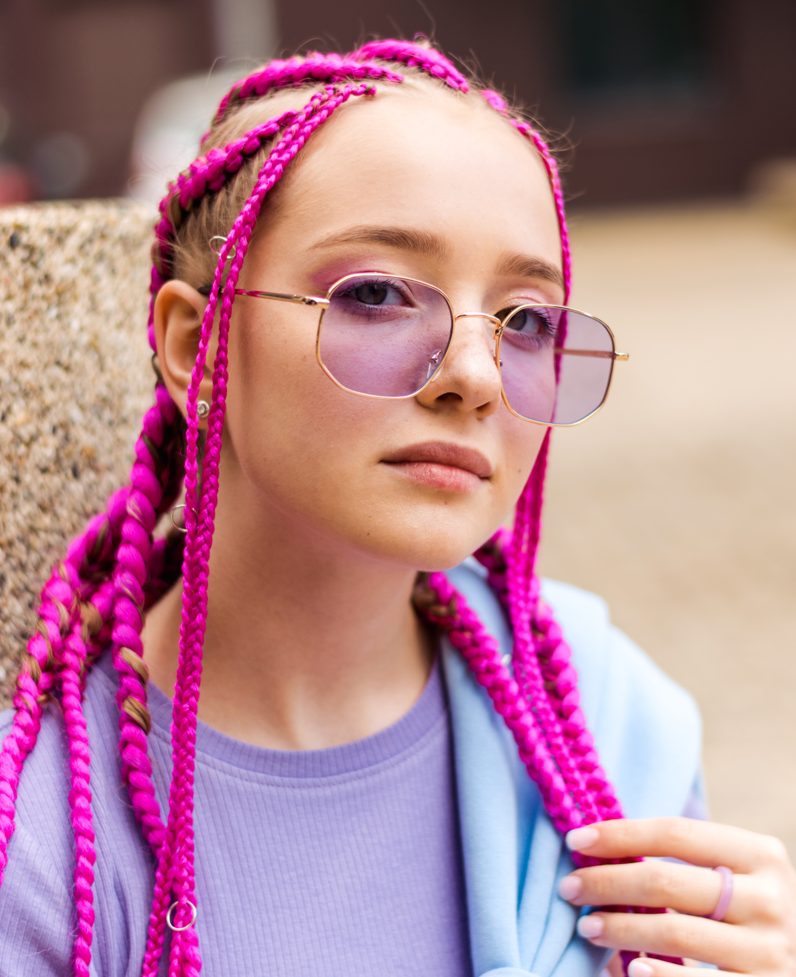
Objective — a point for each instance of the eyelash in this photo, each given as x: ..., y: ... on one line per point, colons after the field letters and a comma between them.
x: 388, y: 279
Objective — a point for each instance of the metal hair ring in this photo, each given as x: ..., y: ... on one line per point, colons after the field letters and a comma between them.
x: 221, y: 242
x: 177, y: 526
x: 191, y: 921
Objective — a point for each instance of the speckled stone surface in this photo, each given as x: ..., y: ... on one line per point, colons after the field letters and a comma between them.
x: 76, y: 379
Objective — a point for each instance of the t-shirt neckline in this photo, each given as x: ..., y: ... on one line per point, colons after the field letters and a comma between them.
x: 384, y: 746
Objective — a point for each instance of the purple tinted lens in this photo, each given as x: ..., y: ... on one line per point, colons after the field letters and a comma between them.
x: 384, y: 336
x: 556, y: 363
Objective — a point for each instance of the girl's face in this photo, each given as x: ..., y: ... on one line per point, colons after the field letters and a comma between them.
x: 414, y: 183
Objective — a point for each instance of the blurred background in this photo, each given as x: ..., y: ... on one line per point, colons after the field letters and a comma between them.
x: 676, y: 125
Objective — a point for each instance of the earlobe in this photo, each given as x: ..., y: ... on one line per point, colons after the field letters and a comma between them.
x: 177, y: 319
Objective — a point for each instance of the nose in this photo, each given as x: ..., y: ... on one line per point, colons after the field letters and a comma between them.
x: 469, y: 378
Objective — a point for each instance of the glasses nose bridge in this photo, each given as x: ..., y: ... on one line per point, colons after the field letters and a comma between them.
x: 493, y: 319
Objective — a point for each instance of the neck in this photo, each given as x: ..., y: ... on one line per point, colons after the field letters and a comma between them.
x: 309, y: 648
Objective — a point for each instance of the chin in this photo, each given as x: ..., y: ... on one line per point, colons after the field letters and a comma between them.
x: 435, y: 548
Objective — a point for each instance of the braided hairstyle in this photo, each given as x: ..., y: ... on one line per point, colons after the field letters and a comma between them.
x: 97, y: 595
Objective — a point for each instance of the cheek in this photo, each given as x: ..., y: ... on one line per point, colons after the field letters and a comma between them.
x: 523, y: 442
x: 282, y: 409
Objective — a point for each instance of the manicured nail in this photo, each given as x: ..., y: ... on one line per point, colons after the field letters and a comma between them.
x: 640, y: 969
x: 570, y: 887
x: 590, y: 926
x: 580, y: 838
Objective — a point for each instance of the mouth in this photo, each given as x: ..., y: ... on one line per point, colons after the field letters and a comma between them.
x: 439, y: 464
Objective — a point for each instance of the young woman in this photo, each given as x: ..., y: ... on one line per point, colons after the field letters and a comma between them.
x: 361, y: 341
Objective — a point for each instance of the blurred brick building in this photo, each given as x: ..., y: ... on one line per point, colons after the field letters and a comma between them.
x: 662, y: 99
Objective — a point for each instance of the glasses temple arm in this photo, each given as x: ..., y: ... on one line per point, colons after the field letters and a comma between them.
x: 283, y: 297
x: 602, y: 354
x: 279, y: 296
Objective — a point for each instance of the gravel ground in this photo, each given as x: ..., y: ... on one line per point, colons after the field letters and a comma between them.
x: 676, y: 501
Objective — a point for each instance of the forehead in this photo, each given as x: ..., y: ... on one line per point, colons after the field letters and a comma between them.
x: 422, y: 157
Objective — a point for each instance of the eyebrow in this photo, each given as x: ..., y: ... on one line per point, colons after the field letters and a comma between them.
x: 529, y: 267
x: 432, y: 246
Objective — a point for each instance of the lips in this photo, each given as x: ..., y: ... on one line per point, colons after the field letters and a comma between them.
x: 441, y: 453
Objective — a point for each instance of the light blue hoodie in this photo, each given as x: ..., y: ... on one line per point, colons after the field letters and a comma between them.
x: 648, y: 733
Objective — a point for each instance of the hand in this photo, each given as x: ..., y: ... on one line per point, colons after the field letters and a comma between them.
x: 758, y: 933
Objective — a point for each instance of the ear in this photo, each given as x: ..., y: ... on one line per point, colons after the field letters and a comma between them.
x: 178, y: 319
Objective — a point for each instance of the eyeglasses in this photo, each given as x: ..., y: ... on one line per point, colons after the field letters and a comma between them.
x: 384, y: 336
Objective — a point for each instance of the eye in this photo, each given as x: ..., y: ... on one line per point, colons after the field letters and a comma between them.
x: 374, y: 292
x: 535, y: 326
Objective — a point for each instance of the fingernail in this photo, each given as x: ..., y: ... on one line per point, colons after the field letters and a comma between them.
x: 580, y: 838
x: 638, y: 968
x: 590, y: 926
x: 570, y: 887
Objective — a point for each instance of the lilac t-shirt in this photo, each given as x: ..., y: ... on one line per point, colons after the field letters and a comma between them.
x: 344, y: 861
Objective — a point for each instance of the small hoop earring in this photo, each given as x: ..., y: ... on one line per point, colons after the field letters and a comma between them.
x: 202, y: 409
x: 178, y: 526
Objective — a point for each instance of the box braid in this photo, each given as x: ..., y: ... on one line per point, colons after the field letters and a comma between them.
x: 98, y: 594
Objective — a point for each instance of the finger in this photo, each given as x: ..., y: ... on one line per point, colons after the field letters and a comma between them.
x: 644, y: 967
x: 661, y: 885
x: 677, y: 935
x: 699, y: 842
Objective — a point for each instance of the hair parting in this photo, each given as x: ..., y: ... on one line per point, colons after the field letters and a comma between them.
x: 96, y: 597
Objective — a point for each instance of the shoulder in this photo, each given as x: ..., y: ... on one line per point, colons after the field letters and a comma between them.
x: 646, y: 727
x: 42, y: 807
x: 36, y: 897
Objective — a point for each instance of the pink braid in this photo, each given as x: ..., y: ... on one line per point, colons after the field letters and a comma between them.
x: 522, y: 588
x: 444, y: 606
x: 283, y: 154
x: 441, y: 604
x: 548, y: 660
x: 175, y: 867
x: 37, y: 678
x: 553, y: 651
x: 415, y: 55
x: 165, y: 563
x: 293, y: 72
x: 34, y: 683
x: 207, y: 173
x: 73, y: 660
x: 143, y: 506
x: 64, y: 664
x: 82, y: 639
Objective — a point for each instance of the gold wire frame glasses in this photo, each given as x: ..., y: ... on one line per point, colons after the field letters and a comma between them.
x: 386, y: 336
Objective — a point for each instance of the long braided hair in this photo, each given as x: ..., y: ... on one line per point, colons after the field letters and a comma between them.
x: 94, y: 602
